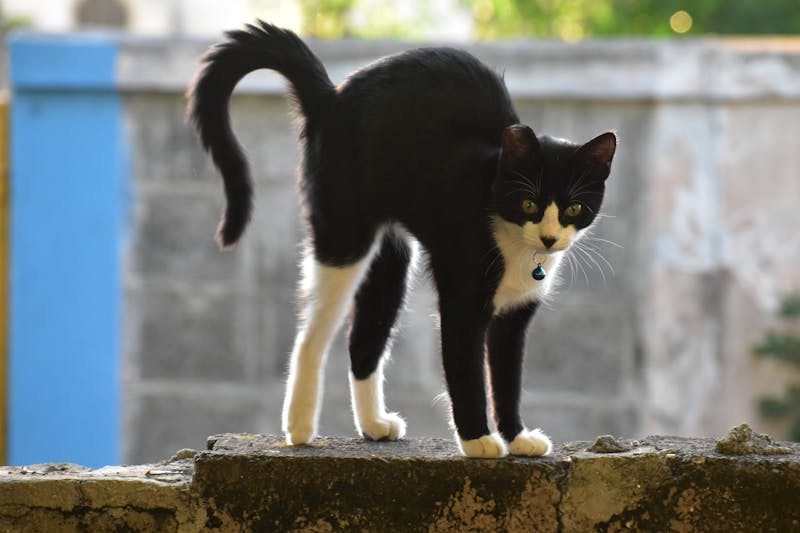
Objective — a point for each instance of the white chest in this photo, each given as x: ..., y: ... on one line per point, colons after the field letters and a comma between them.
x: 517, y: 286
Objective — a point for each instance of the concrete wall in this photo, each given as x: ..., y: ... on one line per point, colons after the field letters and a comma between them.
x: 702, y: 202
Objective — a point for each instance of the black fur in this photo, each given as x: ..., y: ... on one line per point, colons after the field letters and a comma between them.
x: 376, y: 305
x: 505, y: 343
x: 429, y: 140
x: 262, y: 46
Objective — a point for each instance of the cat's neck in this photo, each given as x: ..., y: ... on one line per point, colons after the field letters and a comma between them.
x: 517, y: 285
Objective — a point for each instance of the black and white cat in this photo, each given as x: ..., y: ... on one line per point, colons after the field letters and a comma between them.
x: 425, y: 143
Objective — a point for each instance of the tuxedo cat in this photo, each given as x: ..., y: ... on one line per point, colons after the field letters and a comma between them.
x: 423, y: 144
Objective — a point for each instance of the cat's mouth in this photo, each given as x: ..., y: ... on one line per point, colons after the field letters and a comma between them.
x: 538, y: 249
x: 547, y: 245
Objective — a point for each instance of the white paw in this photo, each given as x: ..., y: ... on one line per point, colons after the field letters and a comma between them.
x: 387, y: 427
x: 532, y: 443
x: 299, y: 434
x: 489, y: 446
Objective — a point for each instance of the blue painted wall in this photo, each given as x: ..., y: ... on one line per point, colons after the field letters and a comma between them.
x: 68, y: 194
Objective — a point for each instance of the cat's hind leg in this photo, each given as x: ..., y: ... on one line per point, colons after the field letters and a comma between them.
x: 328, y: 292
x: 377, y: 303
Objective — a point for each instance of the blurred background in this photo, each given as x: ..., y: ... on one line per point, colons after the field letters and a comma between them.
x: 127, y: 335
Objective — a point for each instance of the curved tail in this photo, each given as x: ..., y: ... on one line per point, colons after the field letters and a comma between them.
x: 258, y: 46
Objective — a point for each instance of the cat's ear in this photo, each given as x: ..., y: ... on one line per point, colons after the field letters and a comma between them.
x: 598, y: 153
x: 519, y: 145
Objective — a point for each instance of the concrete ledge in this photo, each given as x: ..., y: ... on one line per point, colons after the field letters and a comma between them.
x: 66, y: 498
x: 256, y: 483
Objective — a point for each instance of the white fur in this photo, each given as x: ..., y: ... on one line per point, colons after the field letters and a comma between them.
x: 531, y: 443
x: 518, y: 245
x: 489, y: 446
x: 329, y: 292
x: 369, y: 410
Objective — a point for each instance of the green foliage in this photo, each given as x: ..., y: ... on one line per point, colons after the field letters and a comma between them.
x: 781, y: 346
x: 794, y: 431
x: 773, y: 408
x: 785, y: 347
x: 326, y: 18
x: 570, y: 20
x: 791, y: 307
x: 576, y: 19
x: 16, y: 23
x: 334, y: 19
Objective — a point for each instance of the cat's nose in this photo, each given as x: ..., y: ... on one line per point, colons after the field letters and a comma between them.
x: 548, y: 242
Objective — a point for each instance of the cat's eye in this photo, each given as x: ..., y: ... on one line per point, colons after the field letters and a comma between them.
x: 529, y: 207
x: 573, y: 210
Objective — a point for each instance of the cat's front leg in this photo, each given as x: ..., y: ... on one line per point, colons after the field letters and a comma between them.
x: 463, y: 328
x: 506, y: 344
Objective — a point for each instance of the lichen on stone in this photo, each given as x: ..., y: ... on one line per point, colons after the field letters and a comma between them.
x: 742, y: 440
x: 466, y: 511
x: 182, y: 454
x: 608, y: 444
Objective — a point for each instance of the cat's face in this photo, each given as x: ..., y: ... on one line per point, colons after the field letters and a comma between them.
x: 549, y: 190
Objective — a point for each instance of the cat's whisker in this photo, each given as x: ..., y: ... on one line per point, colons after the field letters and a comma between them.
x: 516, y: 192
x: 585, y: 275
x: 526, y: 186
x: 579, y: 188
x: 604, y: 215
x: 491, y: 265
x: 585, y: 194
x: 585, y: 190
x: 592, y: 260
x: 571, y: 270
x: 598, y: 252
x: 576, y: 183
x: 605, y: 241
x: 599, y: 255
x: 526, y: 181
x: 588, y: 234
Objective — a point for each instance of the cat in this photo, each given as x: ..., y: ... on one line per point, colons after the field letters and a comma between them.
x: 424, y: 144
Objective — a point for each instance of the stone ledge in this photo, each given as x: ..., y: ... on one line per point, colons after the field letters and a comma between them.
x: 67, y: 497
x: 257, y: 483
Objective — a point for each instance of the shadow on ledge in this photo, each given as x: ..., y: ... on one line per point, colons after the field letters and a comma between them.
x: 257, y: 483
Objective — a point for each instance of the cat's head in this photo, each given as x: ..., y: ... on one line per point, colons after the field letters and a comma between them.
x: 548, y: 190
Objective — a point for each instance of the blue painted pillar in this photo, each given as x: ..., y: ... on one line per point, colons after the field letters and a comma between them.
x: 68, y: 179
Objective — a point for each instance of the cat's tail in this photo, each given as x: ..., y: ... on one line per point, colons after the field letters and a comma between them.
x: 258, y: 46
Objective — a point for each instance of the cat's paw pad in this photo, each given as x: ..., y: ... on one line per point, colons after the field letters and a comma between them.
x: 489, y: 447
x: 300, y: 435
x: 390, y: 426
x: 532, y: 443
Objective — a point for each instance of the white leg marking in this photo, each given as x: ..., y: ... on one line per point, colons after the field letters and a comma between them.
x: 369, y: 411
x: 330, y: 291
x: 530, y: 443
x: 489, y: 446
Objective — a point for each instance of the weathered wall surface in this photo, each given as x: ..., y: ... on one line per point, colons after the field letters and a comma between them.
x: 256, y: 483
x: 701, y: 201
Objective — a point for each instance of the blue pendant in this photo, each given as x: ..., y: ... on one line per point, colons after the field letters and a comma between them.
x: 538, y: 273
